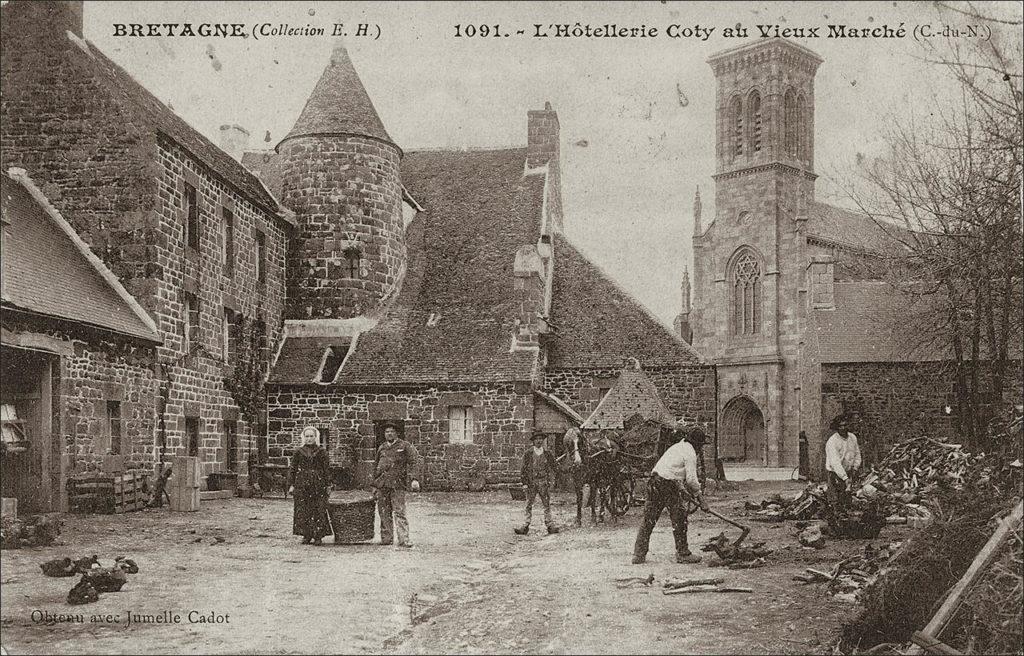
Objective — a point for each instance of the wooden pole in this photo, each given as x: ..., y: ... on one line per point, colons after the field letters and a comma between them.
x: 981, y: 561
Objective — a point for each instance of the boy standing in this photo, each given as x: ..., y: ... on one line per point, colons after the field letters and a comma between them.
x: 538, y: 477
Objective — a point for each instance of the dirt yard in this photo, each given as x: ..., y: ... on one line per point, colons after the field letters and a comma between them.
x: 468, y: 586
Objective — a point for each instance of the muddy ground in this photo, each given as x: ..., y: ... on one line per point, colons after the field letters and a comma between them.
x: 468, y: 586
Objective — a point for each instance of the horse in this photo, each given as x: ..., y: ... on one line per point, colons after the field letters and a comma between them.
x: 592, y: 462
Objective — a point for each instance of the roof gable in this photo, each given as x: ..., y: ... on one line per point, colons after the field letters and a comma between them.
x: 49, y: 270
x: 125, y: 89
x: 598, y: 324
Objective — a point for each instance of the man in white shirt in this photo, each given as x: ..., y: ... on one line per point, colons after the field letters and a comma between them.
x: 842, y: 460
x: 675, y: 471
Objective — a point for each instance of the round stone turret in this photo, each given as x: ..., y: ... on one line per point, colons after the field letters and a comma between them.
x: 341, y: 178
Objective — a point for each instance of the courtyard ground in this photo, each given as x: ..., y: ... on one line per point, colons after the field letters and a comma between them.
x: 468, y: 586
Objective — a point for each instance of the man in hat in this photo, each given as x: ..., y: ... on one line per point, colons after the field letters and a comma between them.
x: 393, y: 473
x: 673, y: 478
x: 842, y: 460
x: 538, y: 476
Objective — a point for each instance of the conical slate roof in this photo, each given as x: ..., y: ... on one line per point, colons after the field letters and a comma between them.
x: 339, y: 105
x: 632, y: 393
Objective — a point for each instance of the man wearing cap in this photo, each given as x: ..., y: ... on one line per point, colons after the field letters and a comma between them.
x: 842, y: 460
x: 538, y: 476
x: 674, y: 475
x: 393, y: 473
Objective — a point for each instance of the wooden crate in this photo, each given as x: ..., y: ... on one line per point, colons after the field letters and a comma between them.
x: 106, y: 493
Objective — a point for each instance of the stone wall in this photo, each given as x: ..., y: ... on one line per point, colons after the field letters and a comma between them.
x: 897, y: 401
x: 347, y: 197
x: 120, y: 183
x: 502, y: 421
x: 196, y: 379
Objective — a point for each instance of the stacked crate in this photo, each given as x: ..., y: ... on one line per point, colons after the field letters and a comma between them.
x: 106, y: 493
x: 183, y: 486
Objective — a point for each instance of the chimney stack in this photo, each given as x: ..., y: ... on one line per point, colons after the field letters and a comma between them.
x: 234, y: 140
x: 542, y: 148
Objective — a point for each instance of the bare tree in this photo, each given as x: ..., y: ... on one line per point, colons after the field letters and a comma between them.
x: 948, y: 193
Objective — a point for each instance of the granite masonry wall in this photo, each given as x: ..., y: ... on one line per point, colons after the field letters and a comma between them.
x: 502, y: 419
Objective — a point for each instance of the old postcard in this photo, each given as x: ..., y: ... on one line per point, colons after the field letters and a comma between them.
x: 511, y: 327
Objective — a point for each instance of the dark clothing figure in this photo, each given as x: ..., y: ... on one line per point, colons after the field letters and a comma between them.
x: 838, y: 494
x: 397, y: 464
x: 662, y: 493
x: 538, y: 475
x: 310, y: 474
x: 538, y: 469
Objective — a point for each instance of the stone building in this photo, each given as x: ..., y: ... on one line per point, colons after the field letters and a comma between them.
x: 194, y: 237
x: 76, y: 353
x: 436, y: 289
x: 798, y: 331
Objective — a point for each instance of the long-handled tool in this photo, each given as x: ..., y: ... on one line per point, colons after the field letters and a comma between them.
x: 745, y: 529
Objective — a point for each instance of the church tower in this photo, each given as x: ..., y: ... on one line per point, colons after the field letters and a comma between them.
x: 341, y: 178
x: 748, y: 263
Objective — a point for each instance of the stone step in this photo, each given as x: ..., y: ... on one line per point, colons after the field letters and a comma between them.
x: 748, y: 473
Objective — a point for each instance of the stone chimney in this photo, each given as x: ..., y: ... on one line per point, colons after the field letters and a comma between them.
x: 234, y: 140
x: 543, y: 148
x: 31, y: 17
x: 530, y: 271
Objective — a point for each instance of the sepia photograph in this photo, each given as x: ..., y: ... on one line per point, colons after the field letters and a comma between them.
x: 511, y: 327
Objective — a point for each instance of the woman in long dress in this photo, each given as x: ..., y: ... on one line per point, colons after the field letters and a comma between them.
x: 308, y: 480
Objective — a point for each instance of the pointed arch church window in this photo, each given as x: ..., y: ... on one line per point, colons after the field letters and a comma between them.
x: 352, y: 256
x: 736, y: 117
x: 802, y: 136
x: 746, y: 277
x: 790, y: 118
x: 754, y: 107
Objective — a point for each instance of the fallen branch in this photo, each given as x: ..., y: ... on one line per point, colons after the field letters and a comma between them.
x: 676, y: 583
x: 706, y: 588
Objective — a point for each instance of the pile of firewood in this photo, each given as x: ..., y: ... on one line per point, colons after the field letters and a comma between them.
x: 848, y: 577
x: 780, y: 507
x: 915, y: 468
x: 735, y: 556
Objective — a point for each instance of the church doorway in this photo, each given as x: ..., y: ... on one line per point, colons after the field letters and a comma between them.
x: 741, y: 437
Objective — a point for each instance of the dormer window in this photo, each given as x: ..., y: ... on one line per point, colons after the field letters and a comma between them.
x: 352, y: 263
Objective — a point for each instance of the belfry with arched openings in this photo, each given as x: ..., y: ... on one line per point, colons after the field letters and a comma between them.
x: 749, y: 264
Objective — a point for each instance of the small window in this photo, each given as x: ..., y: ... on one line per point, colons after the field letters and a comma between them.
x: 460, y: 424
x: 229, y: 335
x: 737, y: 127
x: 754, y: 106
x: 352, y: 263
x: 192, y: 435
x: 228, y: 226
x: 114, y: 426
x: 191, y: 217
x: 230, y: 446
x: 13, y: 428
x: 261, y: 257
x: 191, y: 322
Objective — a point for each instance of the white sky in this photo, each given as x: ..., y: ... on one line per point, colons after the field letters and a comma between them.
x: 628, y: 191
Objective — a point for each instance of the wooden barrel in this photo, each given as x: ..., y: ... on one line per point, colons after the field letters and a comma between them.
x: 351, y: 516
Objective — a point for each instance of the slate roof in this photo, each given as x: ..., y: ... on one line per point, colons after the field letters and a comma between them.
x: 844, y: 227
x: 633, y: 393
x: 869, y: 324
x: 162, y: 119
x: 339, y: 104
x: 47, y: 269
x: 598, y: 325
